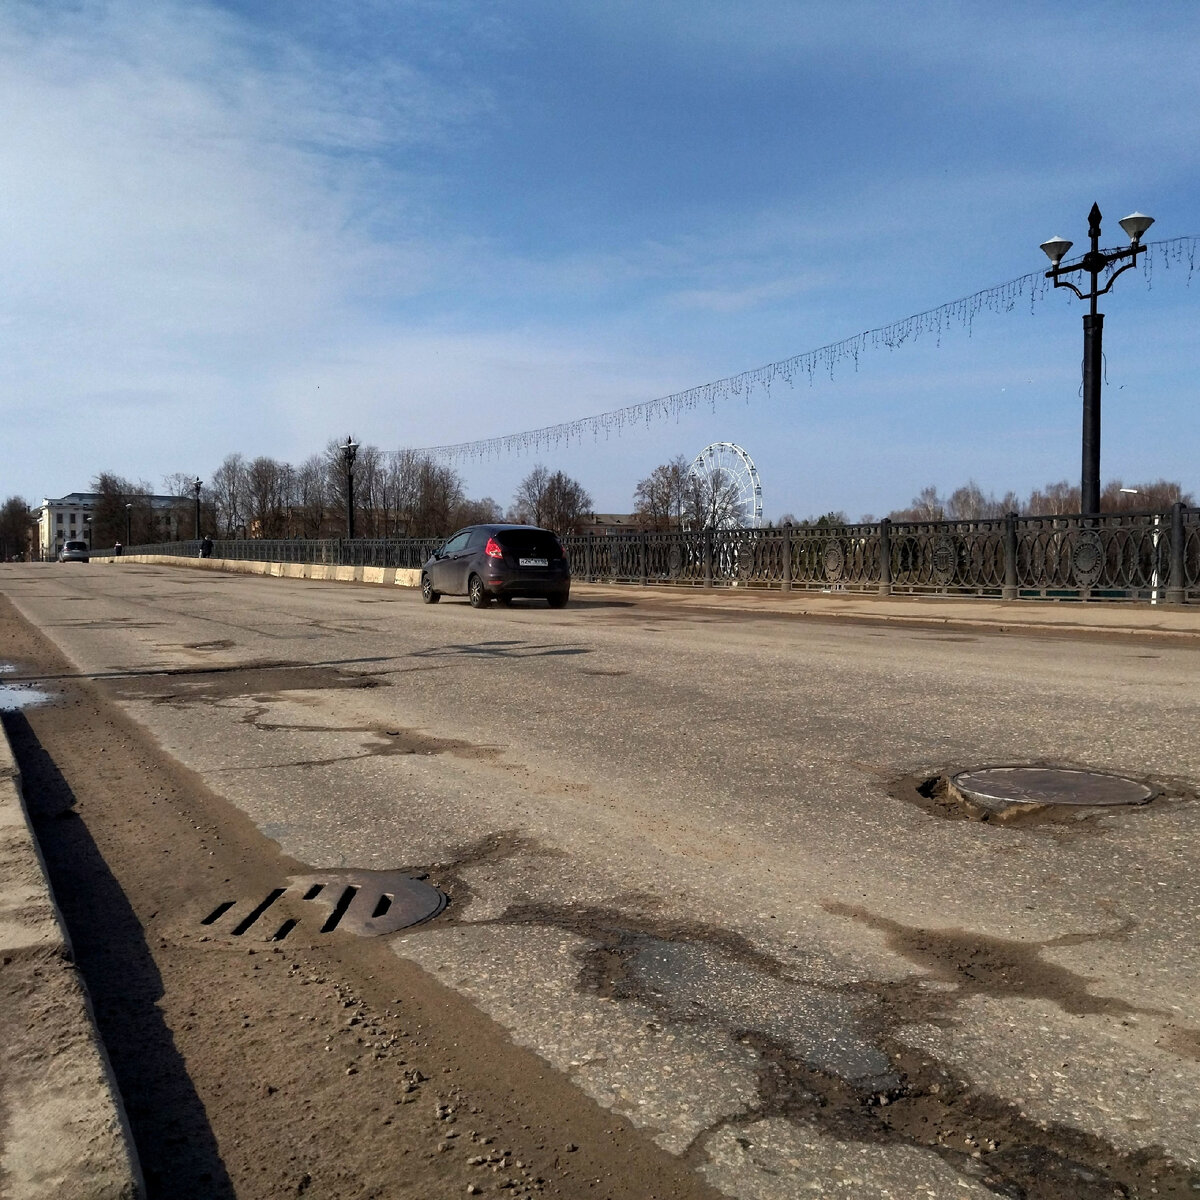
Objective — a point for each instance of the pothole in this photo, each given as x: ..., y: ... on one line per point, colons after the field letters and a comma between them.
x: 1033, y: 795
x: 366, y: 903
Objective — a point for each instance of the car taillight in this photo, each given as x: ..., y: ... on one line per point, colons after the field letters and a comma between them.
x: 492, y: 549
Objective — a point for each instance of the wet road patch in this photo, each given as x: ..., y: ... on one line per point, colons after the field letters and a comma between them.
x: 16, y: 695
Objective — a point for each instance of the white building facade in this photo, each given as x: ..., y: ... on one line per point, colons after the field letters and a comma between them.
x: 68, y: 517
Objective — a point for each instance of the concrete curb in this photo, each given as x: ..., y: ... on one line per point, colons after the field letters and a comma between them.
x: 63, y: 1129
x: 386, y: 576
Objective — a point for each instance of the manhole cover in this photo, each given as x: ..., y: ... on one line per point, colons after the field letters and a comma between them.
x: 367, y: 903
x: 1048, y: 785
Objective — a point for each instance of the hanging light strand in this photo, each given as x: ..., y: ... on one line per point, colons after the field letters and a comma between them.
x: 811, y: 364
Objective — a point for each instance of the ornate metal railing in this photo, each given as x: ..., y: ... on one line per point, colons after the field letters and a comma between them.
x: 1151, y: 557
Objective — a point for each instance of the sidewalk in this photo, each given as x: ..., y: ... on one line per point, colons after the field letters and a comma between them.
x: 63, y: 1134
x: 1098, y: 618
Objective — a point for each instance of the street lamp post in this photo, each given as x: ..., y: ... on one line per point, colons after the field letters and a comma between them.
x: 128, y: 524
x: 1093, y: 263
x: 349, y: 450
x: 196, y: 486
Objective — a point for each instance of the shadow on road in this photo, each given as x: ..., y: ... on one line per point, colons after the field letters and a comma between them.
x: 174, y: 1141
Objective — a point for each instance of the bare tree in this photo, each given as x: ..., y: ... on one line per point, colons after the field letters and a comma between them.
x: 968, y: 503
x: 529, y: 501
x: 15, y: 525
x: 338, y: 479
x: 179, y: 485
x: 1142, y: 497
x: 1055, y: 499
x: 265, y: 497
x: 311, y: 492
x: 370, y: 492
x: 439, y: 497
x: 660, y: 498
x: 478, y: 512
x: 229, y: 494
x: 122, y: 511
x: 926, y: 505
x: 551, y: 499
x: 711, y: 501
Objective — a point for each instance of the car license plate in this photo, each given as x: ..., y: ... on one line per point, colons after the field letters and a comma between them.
x: 534, y: 562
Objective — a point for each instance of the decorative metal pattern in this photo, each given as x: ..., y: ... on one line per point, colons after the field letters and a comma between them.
x: 835, y: 561
x: 943, y: 558
x: 1087, y: 557
x: 1151, y: 557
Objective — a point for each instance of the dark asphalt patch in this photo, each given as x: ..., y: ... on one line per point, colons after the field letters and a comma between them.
x: 261, y: 681
x: 917, y: 1100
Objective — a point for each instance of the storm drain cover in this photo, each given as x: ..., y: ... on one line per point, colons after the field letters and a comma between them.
x: 368, y: 903
x: 992, y: 786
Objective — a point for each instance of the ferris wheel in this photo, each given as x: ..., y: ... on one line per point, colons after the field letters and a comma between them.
x: 726, y: 471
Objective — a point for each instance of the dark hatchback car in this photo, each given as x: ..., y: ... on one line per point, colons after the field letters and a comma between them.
x: 498, y: 562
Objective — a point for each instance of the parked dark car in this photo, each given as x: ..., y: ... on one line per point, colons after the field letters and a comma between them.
x: 73, y: 551
x: 498, y: 562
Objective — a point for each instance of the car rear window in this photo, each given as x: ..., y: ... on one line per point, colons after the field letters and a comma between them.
x: 537, y: 542
x: 76, y: 545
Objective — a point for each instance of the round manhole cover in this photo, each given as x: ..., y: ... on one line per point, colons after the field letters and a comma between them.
x: 1049, y: 785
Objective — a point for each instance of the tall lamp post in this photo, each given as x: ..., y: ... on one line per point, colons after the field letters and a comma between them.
x: 196, y: 486
x: 1093, y: 263
x: 349, y: 450
x: 128, y: 524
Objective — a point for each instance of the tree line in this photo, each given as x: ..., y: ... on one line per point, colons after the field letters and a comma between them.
x: 409, y: 494
x: 401, y: 494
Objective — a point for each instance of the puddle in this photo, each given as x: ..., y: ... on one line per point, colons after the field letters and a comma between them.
x: 15, y: 696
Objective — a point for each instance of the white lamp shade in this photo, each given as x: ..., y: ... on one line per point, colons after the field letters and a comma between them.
x: 1136, y: 224
x: 1055, y: 248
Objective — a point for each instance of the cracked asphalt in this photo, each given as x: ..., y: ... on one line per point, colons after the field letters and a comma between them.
x: 689, y: 865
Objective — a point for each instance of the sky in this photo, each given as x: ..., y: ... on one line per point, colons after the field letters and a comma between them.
x: 256, y: 226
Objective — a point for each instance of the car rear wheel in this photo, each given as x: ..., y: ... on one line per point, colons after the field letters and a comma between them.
x: 427, y: 592
x: 477, y: 593
x: 557, y: 599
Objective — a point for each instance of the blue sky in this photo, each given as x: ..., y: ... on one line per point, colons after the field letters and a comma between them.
x: 257, y: 226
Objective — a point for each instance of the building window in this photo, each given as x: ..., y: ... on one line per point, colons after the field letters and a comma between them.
x: 58, y: 518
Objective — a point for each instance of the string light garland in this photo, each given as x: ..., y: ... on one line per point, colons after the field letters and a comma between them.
x: 1001, y: 298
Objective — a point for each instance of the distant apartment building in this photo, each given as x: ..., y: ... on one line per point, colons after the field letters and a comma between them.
x: 68, y: 516
x: 606, y: 524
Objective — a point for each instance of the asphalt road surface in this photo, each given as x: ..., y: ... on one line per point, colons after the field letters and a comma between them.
x: 703, y: 865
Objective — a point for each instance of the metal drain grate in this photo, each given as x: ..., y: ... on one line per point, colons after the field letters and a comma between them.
x: 367, y: 903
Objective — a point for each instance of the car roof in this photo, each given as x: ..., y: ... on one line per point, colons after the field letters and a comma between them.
x: 501, y: 526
